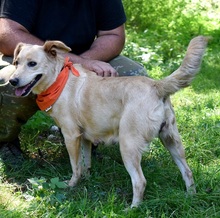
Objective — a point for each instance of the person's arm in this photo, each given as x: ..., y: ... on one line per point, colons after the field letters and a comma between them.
x: 11, y: 33
x: 108, y: 45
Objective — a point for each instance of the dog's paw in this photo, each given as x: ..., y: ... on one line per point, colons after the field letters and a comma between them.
x: 73, y: 181
x: 68, y: 183
x: 130, y: 208
x: 191, y: 190
x: 86, y: 172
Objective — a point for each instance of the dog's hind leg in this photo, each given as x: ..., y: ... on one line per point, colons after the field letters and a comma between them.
x: 170, y: 138
x: 132, y: 160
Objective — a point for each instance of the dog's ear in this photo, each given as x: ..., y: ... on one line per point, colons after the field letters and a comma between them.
x: 17, y: 51
x: 54, y: 47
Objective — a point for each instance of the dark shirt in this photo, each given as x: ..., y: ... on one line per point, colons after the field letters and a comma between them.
x: 75, y: 22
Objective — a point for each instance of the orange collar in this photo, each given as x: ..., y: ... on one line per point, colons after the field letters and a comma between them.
x: 47, y: 98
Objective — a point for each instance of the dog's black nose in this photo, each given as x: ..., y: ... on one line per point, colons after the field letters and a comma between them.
x: 14, y: 81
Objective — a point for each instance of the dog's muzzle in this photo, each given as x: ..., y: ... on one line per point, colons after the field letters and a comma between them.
x: 26, y: 89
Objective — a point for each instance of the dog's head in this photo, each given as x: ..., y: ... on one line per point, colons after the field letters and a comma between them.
x: 33, y: 62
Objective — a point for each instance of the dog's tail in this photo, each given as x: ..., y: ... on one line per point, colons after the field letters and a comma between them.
x: 183, y: 76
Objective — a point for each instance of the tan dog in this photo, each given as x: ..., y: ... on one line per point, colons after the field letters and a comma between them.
x: 130, y: 110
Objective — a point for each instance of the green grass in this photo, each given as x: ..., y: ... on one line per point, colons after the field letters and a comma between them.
x: 35, y: 188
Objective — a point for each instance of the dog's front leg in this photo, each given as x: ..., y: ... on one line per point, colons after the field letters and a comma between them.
x: 73, y: 145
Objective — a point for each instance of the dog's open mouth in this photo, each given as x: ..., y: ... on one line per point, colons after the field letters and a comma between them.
x: 25, y: 90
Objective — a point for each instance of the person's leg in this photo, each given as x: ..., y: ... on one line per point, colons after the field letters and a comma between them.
x: 14, y: 112
x: 5, y: 60
x: 127, y: 67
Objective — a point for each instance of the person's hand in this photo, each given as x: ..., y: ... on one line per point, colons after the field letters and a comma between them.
x: 101, y: 68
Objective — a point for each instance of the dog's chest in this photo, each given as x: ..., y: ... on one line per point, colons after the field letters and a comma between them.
x: 102, y: 129
x: 110, y: 137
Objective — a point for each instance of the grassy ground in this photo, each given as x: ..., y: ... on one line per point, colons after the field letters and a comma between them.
x: 35, y: 188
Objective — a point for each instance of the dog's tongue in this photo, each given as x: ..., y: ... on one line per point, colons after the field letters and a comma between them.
x: 19, y: 91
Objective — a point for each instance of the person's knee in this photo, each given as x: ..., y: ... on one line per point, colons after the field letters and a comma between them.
x: 127, y: 67
x: 6, y: 68
x: 6, y: 73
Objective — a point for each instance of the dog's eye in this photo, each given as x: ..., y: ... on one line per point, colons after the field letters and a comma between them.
x: 32, y: 64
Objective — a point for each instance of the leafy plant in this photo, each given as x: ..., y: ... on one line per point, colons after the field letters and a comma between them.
x: 49, y: 191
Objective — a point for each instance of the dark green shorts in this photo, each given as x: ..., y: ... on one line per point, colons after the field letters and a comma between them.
x: 127, y: 67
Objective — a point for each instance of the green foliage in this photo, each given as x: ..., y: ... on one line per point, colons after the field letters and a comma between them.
x: 49, y: 191
x: 42, y: 184
x: 179, y: 18
x: 39, y: 121
x: 159, y: 31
